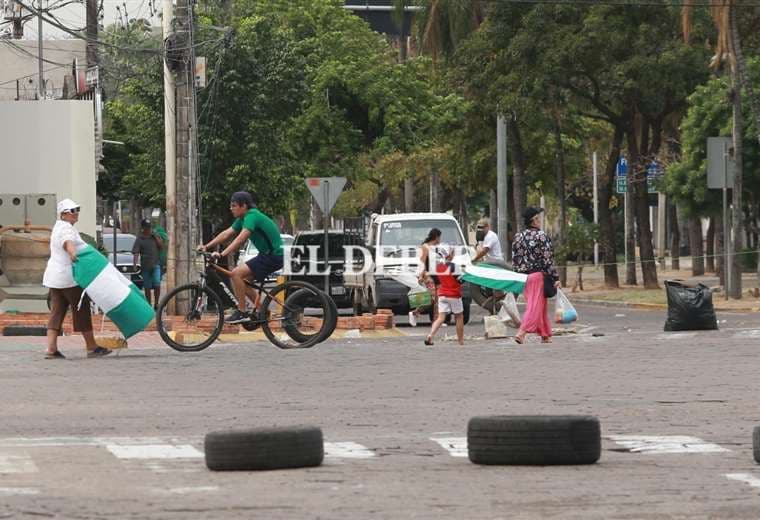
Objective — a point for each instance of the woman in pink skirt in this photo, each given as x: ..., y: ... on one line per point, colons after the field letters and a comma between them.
x: 533, y: 254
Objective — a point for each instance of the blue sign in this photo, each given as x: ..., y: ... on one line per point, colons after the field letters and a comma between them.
x: 653, y: 169
x: 622, y: 167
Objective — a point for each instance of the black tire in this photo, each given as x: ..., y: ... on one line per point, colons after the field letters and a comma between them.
x: 324, y: 332
x: 756, y: 443
x: 19, y: 330
x: 264, y: 449
x: 213, y: 301
x: 293, y: 290
x: 534, y: 440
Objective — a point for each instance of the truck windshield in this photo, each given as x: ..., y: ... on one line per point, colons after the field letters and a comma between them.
x: 409, y: 234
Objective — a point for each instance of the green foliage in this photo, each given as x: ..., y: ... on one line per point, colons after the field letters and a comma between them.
x: 709, y: 115
x: 579, y: 241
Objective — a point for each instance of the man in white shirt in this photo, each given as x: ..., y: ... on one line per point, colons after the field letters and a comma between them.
x: 65, y: 243
x: 488, y: 248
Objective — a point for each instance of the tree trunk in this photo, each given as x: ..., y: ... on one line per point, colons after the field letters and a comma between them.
x: 695, y: 244
x: 630, y: 261
x: 743, y: 78
x: 435, y: 192
x: 738, y: 133
x: 409, y: 195
x: 559, y: 157
x: 519, y: 191
x: 675, y: 238
x: 606, y: 226
x: 641, y: 205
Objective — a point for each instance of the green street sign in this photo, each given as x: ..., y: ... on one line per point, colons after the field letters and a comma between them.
x: 622, y: 184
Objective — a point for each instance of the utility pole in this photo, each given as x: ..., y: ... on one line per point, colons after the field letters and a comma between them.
x: 596, y: 209
x: 501, y: 180
x: 41, y: 81
x: 92, y: 33
x: 186, y: 161
x: 170, y: 146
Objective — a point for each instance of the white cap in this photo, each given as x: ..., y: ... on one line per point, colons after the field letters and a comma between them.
x: 66, y: 205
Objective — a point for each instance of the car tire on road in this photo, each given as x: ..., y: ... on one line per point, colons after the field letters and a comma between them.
x: 756, y: 443
x: 264, y: 449
x: 534, y: 440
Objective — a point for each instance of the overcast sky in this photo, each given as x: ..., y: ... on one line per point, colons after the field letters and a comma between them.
x: 73, y: 16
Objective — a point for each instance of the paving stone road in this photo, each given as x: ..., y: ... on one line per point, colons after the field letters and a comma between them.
x: 122, y: 437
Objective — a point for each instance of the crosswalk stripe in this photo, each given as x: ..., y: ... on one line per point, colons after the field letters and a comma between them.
x: 18, y: 491
x: 16, y: 463
x: 744, y: 477
x: 154, y: 451
x: 666, y: 444
x: 456, y: 446
x: 347, y: 450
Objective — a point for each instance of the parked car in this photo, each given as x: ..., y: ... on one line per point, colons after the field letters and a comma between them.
x: 124, y: 256
x: 394, y: 241
x: 250, y: 251
x: 337, y: 240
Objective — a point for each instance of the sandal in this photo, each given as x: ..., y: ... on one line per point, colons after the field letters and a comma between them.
x: 519, y: 340
x: 54, y: 355
x: 98, y: 352
x: 428, y: 342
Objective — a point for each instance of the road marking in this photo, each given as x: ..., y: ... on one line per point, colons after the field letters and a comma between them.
x: 16, y: 463
x: 18, y: 491
x: 744, y: 477
x: 676, y: 335
x: 666, y: 444
x: 347, y: 450
x: 154, y: 451
x: 456, y: 446
x: 752, y: 333
x: 186, y: 490
x: 53, y: 442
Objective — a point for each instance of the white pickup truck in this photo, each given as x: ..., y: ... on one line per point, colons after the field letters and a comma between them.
x: 394, y: 241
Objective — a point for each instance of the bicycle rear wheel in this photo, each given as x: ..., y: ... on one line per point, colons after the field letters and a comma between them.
x: 199, y: 319
x: 306, y: 317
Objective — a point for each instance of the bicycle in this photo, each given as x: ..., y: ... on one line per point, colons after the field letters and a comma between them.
x: 282, y: 315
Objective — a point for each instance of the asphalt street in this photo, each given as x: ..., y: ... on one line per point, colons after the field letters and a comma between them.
x: 122, y: 436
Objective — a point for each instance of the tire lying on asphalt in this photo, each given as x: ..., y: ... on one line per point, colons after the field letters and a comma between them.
x: 264, y: 448
x: 20, y: 330
x: 756, y: 443
x: 534, y: 440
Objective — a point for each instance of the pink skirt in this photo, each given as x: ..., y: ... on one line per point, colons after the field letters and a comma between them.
x: 536, y: 318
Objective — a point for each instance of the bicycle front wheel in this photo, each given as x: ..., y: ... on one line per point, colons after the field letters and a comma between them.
x: 298, y: 315
x: 197, y: 321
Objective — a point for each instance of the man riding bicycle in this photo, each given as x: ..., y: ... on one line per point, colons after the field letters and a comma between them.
x: 250, y: 224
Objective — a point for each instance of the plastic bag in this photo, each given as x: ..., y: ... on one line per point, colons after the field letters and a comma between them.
x: 564, y: 312
x: 690, y: 307
x: 508, y: 312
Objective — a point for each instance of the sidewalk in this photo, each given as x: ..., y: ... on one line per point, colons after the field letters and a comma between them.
x: 636, y: 296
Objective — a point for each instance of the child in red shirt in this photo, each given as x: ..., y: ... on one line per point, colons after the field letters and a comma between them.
x: 449, y: 301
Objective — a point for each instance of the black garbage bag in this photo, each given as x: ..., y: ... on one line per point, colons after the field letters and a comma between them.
x: 690, y: 307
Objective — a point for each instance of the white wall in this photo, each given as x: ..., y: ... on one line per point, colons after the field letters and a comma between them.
x: 49, y: 147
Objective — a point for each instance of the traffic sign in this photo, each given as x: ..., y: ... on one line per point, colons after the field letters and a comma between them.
x: 326, y: 191
x: 622, y: 167
x: 654, y: 174
x: 622, y: 184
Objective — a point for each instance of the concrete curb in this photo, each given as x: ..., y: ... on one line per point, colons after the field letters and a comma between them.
x: 355, y: 334
x: 650, y: 306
